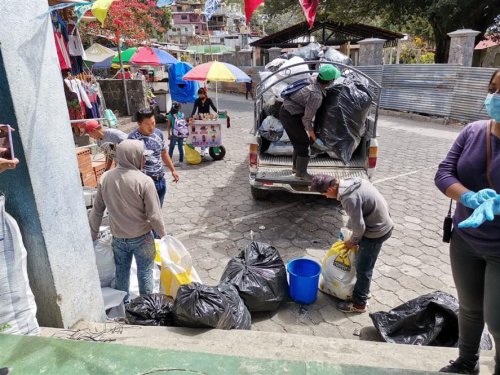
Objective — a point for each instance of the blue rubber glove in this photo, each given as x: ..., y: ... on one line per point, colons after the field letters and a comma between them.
x: 484, y: 212
x: 320, y: 145
x: 474, y: 200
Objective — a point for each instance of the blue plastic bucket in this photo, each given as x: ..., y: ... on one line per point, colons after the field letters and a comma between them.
x: 304, y: 280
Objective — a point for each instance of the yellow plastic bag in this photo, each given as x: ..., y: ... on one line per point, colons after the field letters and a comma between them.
x: 176, y: 266
x: 157, y: 256
x: 192, y: 156
x: 338, y: 274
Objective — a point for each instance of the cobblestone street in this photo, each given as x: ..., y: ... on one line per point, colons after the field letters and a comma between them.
x: 213, y: 213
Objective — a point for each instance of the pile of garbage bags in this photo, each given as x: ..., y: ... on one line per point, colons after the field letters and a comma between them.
x: 259, y: 275
x: 341, y: 121
x: 255, y: 280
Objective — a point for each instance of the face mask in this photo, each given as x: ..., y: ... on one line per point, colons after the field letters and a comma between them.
x: 492, y: 105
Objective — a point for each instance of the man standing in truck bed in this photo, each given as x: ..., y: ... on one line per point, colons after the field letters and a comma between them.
x: 297, y: 113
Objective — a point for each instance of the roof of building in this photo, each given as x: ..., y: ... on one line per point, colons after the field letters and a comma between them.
x: 327, y: 33
x: 488, y: 42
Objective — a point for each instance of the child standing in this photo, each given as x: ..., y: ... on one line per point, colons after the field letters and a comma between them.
x: 177, y: 129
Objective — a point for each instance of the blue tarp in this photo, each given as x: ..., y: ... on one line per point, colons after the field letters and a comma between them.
x: 104, y: 64
x: 182, y: 91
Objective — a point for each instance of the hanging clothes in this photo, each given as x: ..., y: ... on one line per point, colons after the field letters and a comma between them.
x: 76, y: 86
x: 62, y: 51
x: 75, y: 48
x: 92, y: 91
x: 75, y: 42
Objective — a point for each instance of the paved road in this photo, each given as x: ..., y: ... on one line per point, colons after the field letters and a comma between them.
x: 212, y: 212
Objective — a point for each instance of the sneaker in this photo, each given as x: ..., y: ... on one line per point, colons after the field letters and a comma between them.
x: 461, y: 366
x: 351, y: 307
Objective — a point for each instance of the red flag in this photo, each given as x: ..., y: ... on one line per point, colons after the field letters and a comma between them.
x: 250, y: 6
x: 309, y: 7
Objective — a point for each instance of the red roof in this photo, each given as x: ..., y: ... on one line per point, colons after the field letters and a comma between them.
x: 487, y: 43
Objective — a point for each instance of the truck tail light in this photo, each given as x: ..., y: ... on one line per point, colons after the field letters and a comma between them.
x: 253, y: 157
x: 373, y: 154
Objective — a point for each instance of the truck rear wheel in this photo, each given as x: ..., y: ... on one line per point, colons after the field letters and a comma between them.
x: 259, y: 194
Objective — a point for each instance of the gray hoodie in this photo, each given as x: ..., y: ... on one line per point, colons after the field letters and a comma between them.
x: 367, y: 209
x: 129, y: 195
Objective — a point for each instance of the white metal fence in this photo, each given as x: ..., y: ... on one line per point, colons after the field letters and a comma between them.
x: 450, y: 91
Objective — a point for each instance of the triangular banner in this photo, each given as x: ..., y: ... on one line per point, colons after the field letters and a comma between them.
x: 309, y: 7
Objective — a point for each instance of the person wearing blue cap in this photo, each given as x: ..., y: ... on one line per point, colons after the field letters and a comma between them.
x: 297, y: 113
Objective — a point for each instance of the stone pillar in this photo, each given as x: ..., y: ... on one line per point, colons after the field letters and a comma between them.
x: 245, y: 57
x: 462, y: 46
x: 44, y: 192
x: 371, y: 51
x: 274, y: 53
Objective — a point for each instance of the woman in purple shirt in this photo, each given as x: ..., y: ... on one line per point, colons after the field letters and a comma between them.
x: 475, y: 252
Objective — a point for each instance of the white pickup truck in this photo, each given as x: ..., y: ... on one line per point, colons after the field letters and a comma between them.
x: 274, y: 173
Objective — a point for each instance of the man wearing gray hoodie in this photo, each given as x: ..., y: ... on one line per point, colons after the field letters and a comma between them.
x: 134, y: 211
x: 370, y: 223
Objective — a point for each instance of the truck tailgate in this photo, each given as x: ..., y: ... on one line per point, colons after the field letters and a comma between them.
x: 279, y: 168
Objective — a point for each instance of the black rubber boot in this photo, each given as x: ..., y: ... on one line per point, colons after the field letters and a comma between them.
x: 461, y: 366
x: 301, y: 173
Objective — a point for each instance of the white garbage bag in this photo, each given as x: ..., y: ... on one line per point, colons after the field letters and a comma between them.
x: 287, y: 70
x: 280, y: 148
x: 271, y: 89
x: 105, y: 260
x: 271, y: 129
x: 113, y: 302
x: 176, y: 266
x: 17, y: 303
x: 338, y: 274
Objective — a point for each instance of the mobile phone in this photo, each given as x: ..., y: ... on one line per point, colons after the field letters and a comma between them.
x: 6, y: 146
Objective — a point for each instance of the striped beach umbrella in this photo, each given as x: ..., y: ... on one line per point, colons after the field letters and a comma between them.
x: 217, y: 72
x: 146, y: 56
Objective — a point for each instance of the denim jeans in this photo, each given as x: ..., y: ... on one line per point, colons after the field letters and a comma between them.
x: 369, y: 248
x: 143, y: 249
x: 161, y: 189
x: 180, y: 144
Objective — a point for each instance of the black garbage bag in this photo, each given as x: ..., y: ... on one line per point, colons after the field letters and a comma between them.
x: 341, y: 120
x: 201, y: 306
x: 430, y: 320
x: 259, y: 274
x: 151, y: 310
x: 239, y: 312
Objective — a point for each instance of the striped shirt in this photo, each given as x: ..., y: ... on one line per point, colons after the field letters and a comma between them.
x: 305, y: 101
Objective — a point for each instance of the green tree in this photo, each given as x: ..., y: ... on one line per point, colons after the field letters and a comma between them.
x: 443, y: 16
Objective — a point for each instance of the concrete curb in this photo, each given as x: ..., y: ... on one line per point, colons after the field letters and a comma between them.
x: 284, y: 346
